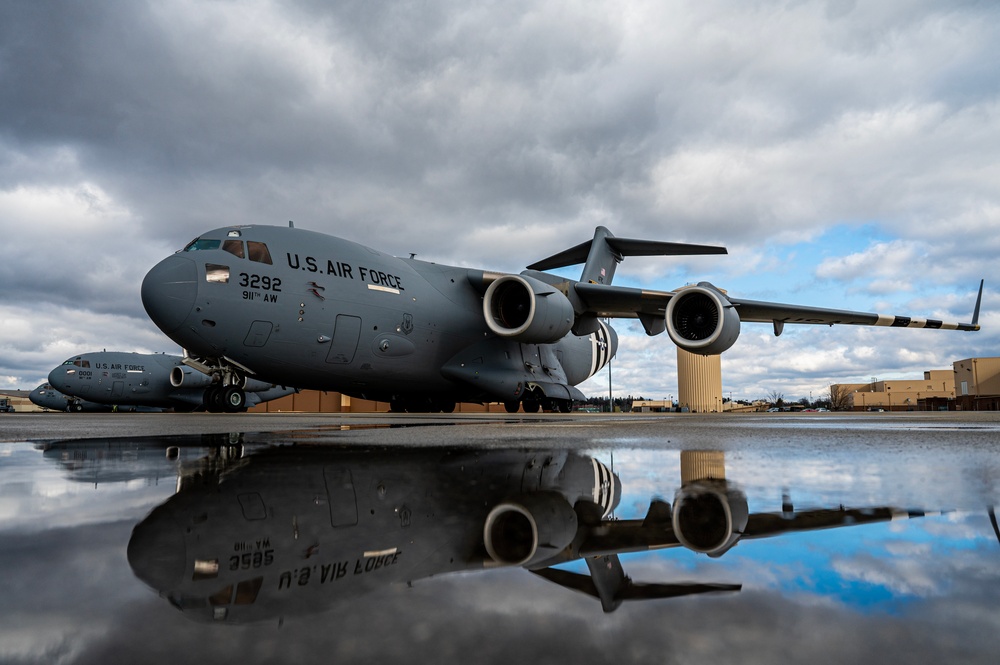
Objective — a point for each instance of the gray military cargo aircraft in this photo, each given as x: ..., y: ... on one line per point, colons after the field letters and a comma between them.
x: 293, y: 530
x: 307, y: 309
x: 149, y: 380
x: 48, y: 397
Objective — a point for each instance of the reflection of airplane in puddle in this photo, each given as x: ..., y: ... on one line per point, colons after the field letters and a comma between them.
x: 292, y: 530
x: 150, y: 459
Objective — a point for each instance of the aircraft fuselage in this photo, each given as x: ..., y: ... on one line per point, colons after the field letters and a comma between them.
x: 320, y: 312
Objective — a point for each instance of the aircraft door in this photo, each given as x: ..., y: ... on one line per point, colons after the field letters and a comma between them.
x: 117, y: 389
x: 341, y: 497
x: 343, y: 346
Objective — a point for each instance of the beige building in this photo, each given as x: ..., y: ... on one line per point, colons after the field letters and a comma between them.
x: 977, y: 384
x: 934, y: 392
x: 314, y: 401
x: 972, y: 384
x: 16, y: 400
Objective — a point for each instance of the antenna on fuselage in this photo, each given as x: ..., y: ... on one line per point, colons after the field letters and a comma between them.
x: 291, y: 224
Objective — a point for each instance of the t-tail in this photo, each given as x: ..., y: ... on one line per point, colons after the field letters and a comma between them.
x: 604, y: 252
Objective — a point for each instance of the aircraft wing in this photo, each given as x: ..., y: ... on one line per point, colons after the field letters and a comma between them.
x: 766, y: 525
x: 624, y: 536
x: 625, y: 302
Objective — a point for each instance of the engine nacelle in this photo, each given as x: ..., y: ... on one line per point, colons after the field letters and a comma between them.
x: 529, y: 528
x: 528, y: 310
x: 188, y: 377
x: 709, y: 517
x: 700, y: 319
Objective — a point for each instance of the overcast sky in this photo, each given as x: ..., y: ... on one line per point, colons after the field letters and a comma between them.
x: 845, y: 152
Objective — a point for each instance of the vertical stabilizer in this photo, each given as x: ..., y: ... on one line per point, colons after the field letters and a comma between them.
x: 602, y: 260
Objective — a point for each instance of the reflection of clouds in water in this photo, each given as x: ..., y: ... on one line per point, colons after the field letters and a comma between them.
x: 889, y: 477
x: 900, y: 576
x: 36, y: 492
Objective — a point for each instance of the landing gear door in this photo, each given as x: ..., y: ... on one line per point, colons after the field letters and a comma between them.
x: 344, y: 344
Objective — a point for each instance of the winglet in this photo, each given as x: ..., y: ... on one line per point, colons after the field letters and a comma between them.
x: 979, y: 301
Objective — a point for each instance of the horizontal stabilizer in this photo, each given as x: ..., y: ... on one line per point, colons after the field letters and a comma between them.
x: 629, y: 590
x: 624, y: 247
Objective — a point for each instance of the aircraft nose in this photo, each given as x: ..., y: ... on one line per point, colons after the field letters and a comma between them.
x: 156, y: 552
x: 169, y: 291
x: 57, y: 378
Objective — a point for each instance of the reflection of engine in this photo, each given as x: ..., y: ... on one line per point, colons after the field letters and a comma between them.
x: 709, y: 517
x: 530, y: 528
x: 527, y: 310
x: 701, y: 320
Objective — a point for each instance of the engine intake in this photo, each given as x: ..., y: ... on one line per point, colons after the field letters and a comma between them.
x: 527, y: 309
x: 187, y: 377
x: 709, y: 517
x: 528, y: 529
x: 700, y: 319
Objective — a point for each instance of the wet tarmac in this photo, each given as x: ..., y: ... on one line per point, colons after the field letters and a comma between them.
x: 821, y: 538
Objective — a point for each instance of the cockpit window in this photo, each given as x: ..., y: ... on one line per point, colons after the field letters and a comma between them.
x: 258, y: 252
x: 234, y: 247
x: 79, y: 363
x: 202, y: 243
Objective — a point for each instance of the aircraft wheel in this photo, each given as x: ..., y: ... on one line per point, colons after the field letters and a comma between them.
x: 233, y: 399
x: 530, y: 405
x: 396, y: 406
x: 564, y: 405
x: 212, y: 399
x: 75, y: 408
x: 513, y: 406
x: 447, y: 407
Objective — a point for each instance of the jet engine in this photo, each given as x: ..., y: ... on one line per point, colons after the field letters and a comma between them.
x: 182, y: 376
x: 188, y: 377
x: 709, y: 517
x: 530, y: 528
x: 700, y: 319
x: 527, y: 310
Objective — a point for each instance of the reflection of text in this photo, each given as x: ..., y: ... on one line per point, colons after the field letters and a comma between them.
x: 332, y: 572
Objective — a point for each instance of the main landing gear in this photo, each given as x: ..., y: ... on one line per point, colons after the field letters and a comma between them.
x: 225, y: 399
x: 535, y: 401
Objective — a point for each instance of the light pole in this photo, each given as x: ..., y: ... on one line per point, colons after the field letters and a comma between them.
x: 611, y: 399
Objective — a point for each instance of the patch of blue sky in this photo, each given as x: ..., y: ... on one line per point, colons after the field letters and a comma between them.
x: 771, y: 270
